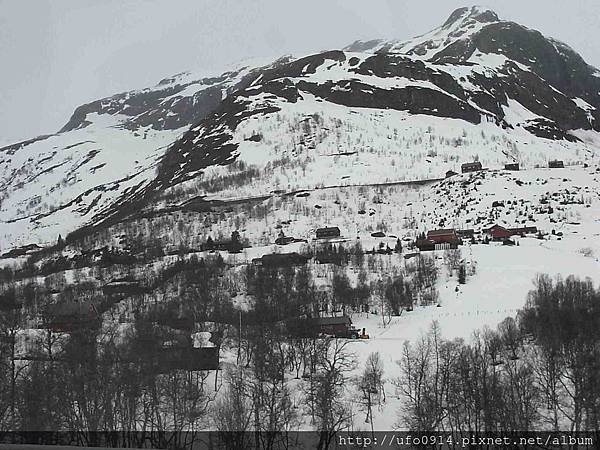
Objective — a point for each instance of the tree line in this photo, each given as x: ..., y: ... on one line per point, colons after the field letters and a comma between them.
x: 540, y: 371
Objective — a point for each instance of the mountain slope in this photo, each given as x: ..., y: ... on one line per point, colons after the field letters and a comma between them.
x: 538, y: 111
x: 107, y: 150
x: 475, y: 88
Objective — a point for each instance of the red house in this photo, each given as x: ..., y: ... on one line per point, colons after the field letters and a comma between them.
x: 443, y: 236
x: 498, y: 233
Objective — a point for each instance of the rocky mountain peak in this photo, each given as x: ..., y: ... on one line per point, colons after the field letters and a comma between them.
x: 474, y: 13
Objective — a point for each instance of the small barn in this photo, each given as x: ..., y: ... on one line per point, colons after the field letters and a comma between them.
x: 556, y: 164
x: 328, y: 232
x: 471, y: 167
x: 450, y: 173
x: 511, y: 166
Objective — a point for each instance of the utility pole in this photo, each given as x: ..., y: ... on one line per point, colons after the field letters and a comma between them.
x: 239, y: 355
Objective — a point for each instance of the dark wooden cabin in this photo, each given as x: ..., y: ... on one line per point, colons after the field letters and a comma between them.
x: 556, y: 164
x: 471, y: 167
x: 338, y: 326
x: 280, y: 260
x: 328, y: 232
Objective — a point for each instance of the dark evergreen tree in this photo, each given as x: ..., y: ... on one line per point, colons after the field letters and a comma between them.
x: 462, y: 274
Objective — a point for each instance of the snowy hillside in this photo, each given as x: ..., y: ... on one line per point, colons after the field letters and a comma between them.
x: 107, y: 151
x: 392, y: 113
x: 475, y: 88
x: 248, y: 246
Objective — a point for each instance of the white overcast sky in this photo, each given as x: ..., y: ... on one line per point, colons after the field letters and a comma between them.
x: 58, y: 54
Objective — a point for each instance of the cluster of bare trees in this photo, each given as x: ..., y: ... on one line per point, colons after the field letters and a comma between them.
x: 538, y: 372
x: 96, y: 381
x: 259, y: 408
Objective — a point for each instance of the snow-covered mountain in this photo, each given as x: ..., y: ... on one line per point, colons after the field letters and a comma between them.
x: 475, y: 88
x: 108, y: 149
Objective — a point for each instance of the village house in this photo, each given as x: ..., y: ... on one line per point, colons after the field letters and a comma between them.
x: 338, y: 326
x: 328, y: 232
x: 438, y: 240
x: 444, y: 239
x: 471, y: 167
x: 511, y: 166
x: 500, y: 233
x: 556, y: 164
x: 280, y: 260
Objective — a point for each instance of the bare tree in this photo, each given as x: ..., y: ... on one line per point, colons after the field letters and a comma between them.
x: 233, y: 411
x: 452, y: 259
x: 326, y: 390
x: 370, y: 385
x: 424, y: 381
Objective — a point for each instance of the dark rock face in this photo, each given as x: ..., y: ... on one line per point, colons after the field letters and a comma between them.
x: 210, y: 141
x: 389, y: 65
x: 548, y: 129
x: 552, y: 61
x: 302, y: 66
x: 416, y: 100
